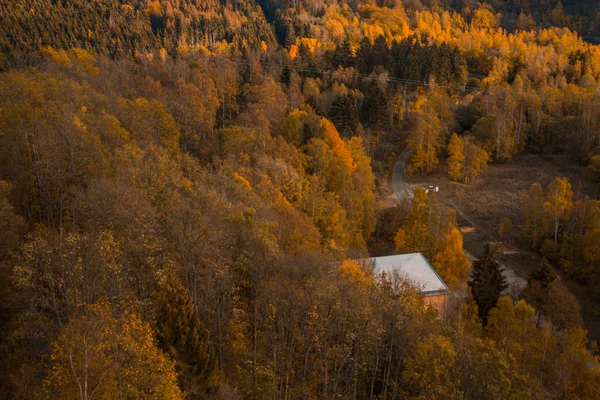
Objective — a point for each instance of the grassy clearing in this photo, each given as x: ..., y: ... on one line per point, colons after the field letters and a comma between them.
x: 501, y: 191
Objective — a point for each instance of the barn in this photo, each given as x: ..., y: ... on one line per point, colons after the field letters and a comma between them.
x: 415, y: 268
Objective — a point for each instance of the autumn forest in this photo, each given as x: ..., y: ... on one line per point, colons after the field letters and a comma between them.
x: 189, y: 190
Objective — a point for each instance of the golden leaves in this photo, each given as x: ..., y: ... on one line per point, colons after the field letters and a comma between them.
x: 352, y: 271
x: 337, y: 145
x: 456, y: 157
x: 60, y: 57
x: 451, y: 262
x: 242, y: 181
x: 109, y: 355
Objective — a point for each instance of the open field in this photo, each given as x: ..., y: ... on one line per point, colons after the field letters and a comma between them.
x: 501, y: 191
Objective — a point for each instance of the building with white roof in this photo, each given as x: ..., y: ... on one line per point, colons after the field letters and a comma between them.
x: 415, y: 268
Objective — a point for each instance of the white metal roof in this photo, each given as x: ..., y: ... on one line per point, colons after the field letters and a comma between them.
x: 415, y: 268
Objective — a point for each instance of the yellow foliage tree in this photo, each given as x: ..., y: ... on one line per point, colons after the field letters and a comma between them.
x: 337, y: 145
x: 415, y: 235
x: 484, y: 19
x: 456, y: 157
x: 512, y: 326
x: 558, y: 203
x: 431, y: 372
x: 361, y: 204
x: 534, y: 213
x: 151, y: 124
x: 476, y: 159
x: 424, y: 139
x: 351, y: 271
x: 506, y: 230
x: 580, y: 376
x: 451, y: 262
x: 99, y: 355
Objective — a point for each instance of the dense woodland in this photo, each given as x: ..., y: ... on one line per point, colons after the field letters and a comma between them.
x: 184, y: 185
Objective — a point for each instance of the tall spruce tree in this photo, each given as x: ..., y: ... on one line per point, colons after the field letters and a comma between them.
x: 487, y: 282
x: 344, y: 115
x: 184, y: 338
x: 343, y: 55
x: 375, y: 109
x: 538, y: 287
x: 364, y: 56
x: 380, y: 54
x: 543, y: 274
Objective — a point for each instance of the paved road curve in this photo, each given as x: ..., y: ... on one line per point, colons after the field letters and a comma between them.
x: 398, y: 175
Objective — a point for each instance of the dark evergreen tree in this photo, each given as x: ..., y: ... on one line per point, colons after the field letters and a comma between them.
x: 305, y: 61
x: 184, y: 338
x: 543, y: 275
x: 314, y: 104
x: 284, y: 29
x: 538, y: 286
x: 286, y: 76
x: 487, y: 282
x: 363, y: 56
x: 343, y: 55
x: 459, y: 67
x: 416, y: 64
x: 380, y: 54
x: 344, y: 115
x: 443, y: 63
x: 375, y: 109
x: 399, y: 54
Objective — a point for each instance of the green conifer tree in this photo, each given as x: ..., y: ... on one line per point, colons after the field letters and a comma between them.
x: 538, y: 286
x: 344, y: 115
x: 343, y: 55
x: 184, y: 338
x: 487, y: 282
x: 543, y: 274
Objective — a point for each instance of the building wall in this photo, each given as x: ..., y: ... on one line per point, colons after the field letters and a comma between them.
x: 438, y: 301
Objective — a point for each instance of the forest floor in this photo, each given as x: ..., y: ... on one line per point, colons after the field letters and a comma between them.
x: 502, y: 191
